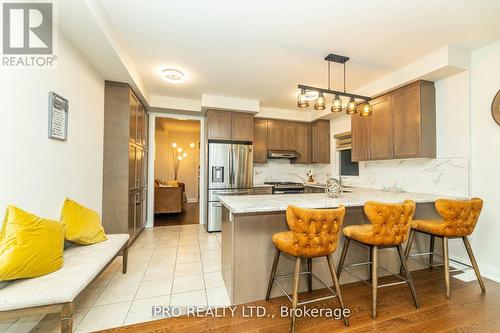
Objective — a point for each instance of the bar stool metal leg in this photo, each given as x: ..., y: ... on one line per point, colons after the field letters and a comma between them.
x: 342, y: 256
x: 295, y: 292
x: 446, y: 266
x: 309, y: 276
x: 374, y: 260
x: 370, y: 265
x: 409, y: 244
x: 331, y: 265
x: 408, y: 276
x: 474, y: 263
x: 431, y: 250
x: 273, y: 273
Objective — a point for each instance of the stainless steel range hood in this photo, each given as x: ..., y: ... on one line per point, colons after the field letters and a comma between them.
x: 288, y: 154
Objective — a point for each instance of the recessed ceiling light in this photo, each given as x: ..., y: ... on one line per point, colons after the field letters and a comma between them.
x: 173, y: 75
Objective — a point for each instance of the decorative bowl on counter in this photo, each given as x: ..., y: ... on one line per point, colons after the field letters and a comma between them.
x: 334, y: 188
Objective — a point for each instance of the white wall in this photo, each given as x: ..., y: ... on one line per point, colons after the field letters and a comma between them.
x: 36, y: 173
x: 485, y: 156
x: 281, y: 170
x: 188, y: 168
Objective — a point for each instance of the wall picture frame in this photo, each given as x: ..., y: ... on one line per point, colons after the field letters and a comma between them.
x: 58, y: 117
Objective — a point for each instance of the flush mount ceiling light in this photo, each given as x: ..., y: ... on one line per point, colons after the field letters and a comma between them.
x: 302, y: 100
x: 173, y: 75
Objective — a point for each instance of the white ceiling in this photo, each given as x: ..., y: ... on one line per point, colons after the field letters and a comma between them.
x: 263, y: 49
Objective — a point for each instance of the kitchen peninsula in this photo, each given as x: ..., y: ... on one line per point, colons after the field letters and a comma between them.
x: 248, y: 223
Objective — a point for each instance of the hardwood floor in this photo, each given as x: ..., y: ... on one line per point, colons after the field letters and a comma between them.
x: 190, y: 215
x: 468, y: 310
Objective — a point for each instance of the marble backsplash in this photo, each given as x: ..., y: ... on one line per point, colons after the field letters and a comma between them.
x: 442, y: 176
x: 283, y: 171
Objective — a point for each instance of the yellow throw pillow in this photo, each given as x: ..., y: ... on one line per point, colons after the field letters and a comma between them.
x: 30, y: 246
x: 83, y: 225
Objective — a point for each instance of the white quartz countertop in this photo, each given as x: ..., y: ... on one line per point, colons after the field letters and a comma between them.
x: 356, y: 198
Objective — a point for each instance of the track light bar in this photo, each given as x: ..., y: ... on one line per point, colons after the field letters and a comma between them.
x: 334, y: 92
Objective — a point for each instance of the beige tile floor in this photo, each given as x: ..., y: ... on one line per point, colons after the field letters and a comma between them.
x: 175, y: 265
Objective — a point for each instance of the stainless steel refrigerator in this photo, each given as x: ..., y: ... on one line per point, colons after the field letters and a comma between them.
x: 230, y: 172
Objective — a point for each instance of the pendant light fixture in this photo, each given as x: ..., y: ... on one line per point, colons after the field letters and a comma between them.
x: 320, y: 102
x: 336, y: 104
x: 366, y: 110
x: 302, y: 101
x: 352, y: 106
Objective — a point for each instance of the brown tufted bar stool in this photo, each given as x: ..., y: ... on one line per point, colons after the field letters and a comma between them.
x: 459, y: 218
x: 314, y: 233
x: 389, y: 226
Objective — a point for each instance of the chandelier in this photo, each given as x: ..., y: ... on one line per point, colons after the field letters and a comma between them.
x: 320, y: 101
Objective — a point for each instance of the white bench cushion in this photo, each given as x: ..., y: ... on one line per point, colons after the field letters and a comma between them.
x: 81, y: 266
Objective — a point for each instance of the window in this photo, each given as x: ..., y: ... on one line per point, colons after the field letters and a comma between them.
x: 347, y: 166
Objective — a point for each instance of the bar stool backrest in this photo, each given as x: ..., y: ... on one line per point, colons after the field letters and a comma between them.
x: 391, y: 222
x: 460, y: 216
x: 315, y: 231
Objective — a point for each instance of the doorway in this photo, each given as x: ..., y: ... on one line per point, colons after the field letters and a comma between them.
x: 176, y: 174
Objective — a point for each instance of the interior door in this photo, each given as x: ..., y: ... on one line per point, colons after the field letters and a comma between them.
x: 242, y: 166
x: 218, y: 165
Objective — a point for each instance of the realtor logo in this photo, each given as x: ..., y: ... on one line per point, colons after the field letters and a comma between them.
x: 27, y: 30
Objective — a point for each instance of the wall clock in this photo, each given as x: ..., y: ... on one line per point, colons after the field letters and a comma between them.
x: 495, y: 108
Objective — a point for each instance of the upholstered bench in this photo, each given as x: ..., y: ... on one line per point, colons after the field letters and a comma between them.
x: 55, y: 292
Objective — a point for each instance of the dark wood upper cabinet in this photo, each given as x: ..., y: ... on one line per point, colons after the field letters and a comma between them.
x: 125, y: 162
x: 133, y: 104
x: 414, y: 115
x: 260, y: 141
x: 288, y: 138
x: 381, y: 129
x: 230, y: 126
x: 360, y: 137
x: 242, y: 127
x: 303, y: 143
x: 403, y: 125
x: 320, y: 133
x: 219, y: 125
x: 274, y: 135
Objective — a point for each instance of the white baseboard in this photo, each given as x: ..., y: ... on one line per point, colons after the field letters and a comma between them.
x: 487, y: 271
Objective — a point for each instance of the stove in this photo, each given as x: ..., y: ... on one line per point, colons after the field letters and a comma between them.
x: 286, y: 187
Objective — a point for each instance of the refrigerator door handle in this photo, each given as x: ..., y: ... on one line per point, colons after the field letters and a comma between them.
x: 231, y: 165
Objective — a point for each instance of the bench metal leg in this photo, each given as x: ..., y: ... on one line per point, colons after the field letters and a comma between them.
x: 125, y: 259
x: 67, y: 318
